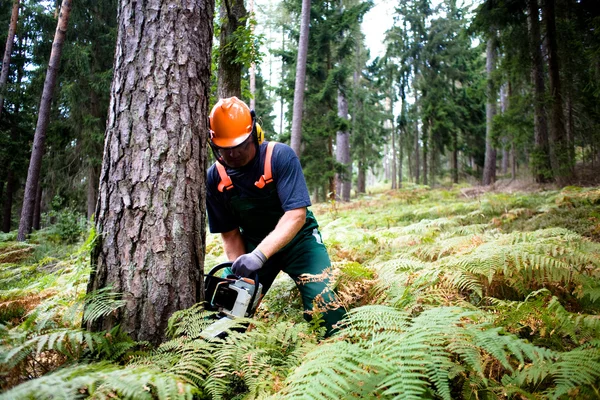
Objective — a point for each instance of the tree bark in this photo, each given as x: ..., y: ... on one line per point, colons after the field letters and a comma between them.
x: 425, y: 139
x: 540, y: 162
x: 342, y: 152
x: 233, y: 14
x: 559, y: 147
x: 361, y: 178
x: 417, y: 154
x: 35, y: 163
x: 252, y: 71
x: 12, y: 28
x: 296, y: 140
x: 489, y: 168
x: 37, y: 210
x: 400, y: 156
x: 394, y: 182
x: 151, y: 207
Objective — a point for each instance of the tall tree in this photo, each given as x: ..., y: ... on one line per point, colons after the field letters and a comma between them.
x: 559, y: 147
x: 298, y: 108
x: 489, y: 168
x: 342, y: 151
x: 8, y: 50
x: 35, y: 163
x: 540, y: 156
x: 233, y: 16
x: 151, y: 213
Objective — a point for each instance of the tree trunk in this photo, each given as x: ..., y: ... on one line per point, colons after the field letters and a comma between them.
x: 252, y: 71
x: 559, y: 146
x: 8, y: 200
x: 455, y: 157
x: 361, y: 178
x: 37, y: 210
x: 233, y: 14
x: 489, y: 168
x: 35, y: 163
x: 540, y: 162
x: 92, y: 191
x: 151, y: 208
x: 296, y: 140
x: 282, y: 81
x: 505, y: 139
x: 425, y: 139
x: 513, y: 161
x: 400, y: 156
x: 417, y: 153
x: 12, y: 28
x: 342, y: 152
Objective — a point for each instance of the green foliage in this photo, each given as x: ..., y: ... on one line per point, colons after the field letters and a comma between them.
x: 445, y: 299
x: 65, y: 225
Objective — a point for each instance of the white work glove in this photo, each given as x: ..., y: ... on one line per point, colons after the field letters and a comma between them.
x: 248, y: 263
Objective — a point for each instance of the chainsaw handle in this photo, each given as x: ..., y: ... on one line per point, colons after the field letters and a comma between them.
x: 253, y: 277
x: 219, y: 267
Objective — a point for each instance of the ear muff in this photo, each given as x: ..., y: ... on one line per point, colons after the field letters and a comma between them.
x: 260, y: 135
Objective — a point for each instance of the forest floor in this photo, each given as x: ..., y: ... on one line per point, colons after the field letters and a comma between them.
x: 465, y: 292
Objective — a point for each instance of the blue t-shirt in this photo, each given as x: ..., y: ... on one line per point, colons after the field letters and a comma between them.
x: 287, y: 175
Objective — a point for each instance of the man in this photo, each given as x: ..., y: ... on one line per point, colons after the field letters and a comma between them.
x: 257, y: 200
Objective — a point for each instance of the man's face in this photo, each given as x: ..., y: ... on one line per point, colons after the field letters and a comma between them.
x: 240, y: 155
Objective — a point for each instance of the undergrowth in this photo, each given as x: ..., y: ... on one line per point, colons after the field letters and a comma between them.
x: 452, y: 297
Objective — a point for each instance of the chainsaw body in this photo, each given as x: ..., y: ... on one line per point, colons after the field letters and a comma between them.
x: 232, y: 297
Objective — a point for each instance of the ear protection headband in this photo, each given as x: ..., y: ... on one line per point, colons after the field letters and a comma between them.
x: 257, y: 131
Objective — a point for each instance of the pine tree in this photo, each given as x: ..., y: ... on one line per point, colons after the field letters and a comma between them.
x: 151, y: 215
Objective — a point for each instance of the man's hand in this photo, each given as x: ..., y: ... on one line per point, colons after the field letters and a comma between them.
x: 246, y: 264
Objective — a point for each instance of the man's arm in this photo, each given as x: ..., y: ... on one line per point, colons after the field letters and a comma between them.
x: 286, y: 229
x: 233, y: 244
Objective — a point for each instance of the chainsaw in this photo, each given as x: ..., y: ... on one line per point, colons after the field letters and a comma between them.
x: 231, y: 297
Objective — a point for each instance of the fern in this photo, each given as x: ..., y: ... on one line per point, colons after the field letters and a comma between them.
x: 103, y: 381
x: 101, y: 303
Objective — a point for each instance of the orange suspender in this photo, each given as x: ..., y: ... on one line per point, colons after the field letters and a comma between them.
x: 225, y: 183
x: 266, y: 178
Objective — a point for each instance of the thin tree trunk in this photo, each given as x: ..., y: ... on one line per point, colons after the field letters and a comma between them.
x: 296, y: 140
x: 342, y: 152
x: 37, y: 210
x: 361, y: 178
x: 12, y: 28
x: 455, y: 157
x: 417, y: 154
x: 513, y: 161
x: 540, y: 158
x: 151, y: 208
x: 559, y: 146
x: 8, y: 201
x: 425, y: 152
x: 331, y: 193
x: 400, y: 157
x: 35, y: 163
x: 489, y: 169
x: 505, y: 139
x: 252, y: 71
x: 233, y: 14
x: 282, y: 82
x: 394, y: 182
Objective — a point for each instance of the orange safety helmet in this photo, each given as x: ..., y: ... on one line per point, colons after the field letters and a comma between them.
x: 231, y: 122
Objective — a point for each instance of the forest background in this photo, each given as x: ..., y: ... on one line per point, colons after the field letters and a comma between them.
x: 486, y: 93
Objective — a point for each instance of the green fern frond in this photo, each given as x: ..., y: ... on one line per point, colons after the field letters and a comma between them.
x: 190, y: 322
x: 333, y: 371
x: 259, y: 358
x: 101, y: 303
